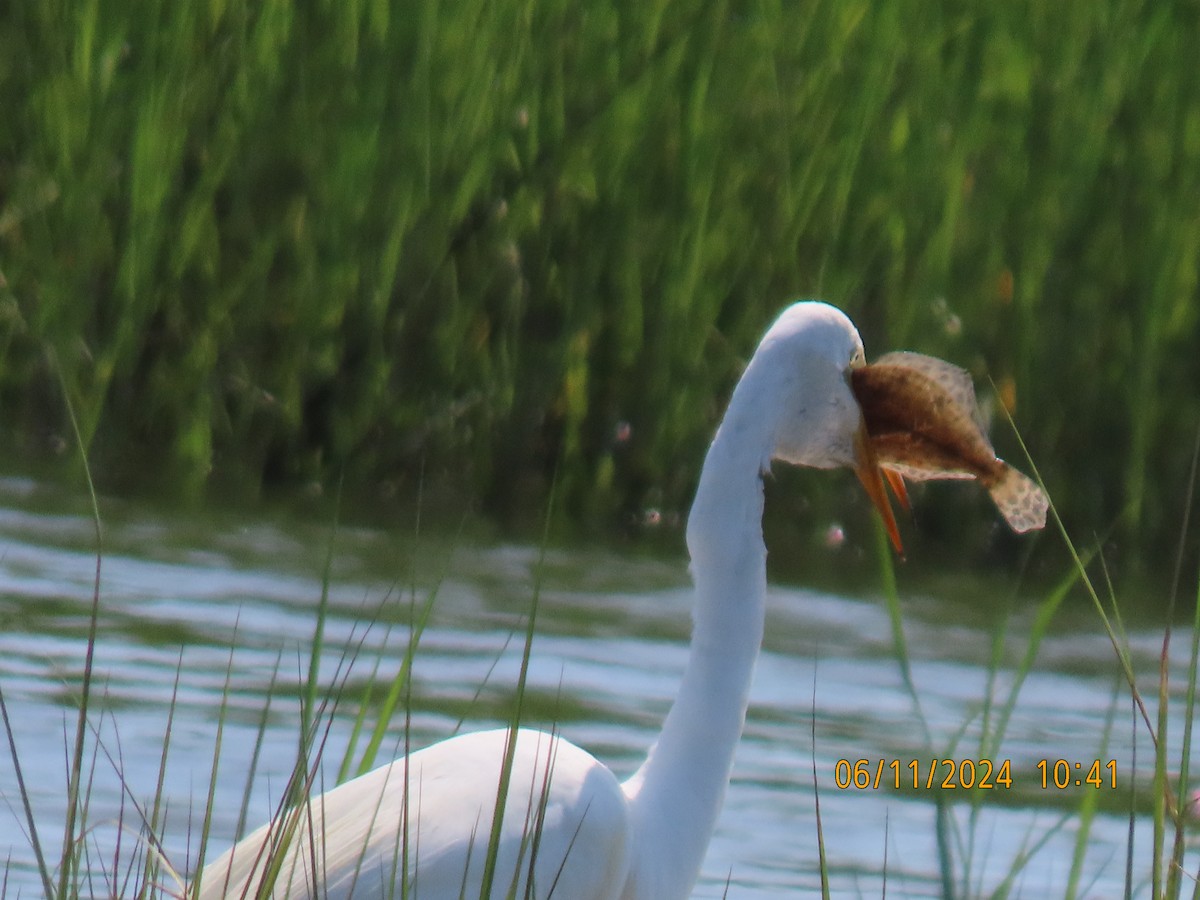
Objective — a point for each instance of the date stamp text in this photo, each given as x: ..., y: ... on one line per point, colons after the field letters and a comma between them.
x: 972, y: 774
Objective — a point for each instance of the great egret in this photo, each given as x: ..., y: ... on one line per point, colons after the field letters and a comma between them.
x: 569, y: 824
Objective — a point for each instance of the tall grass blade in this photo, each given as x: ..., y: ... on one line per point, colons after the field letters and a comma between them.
x: 510, y: 747
x: 1186, y: 803
x: 149, y: 844
x: 396, y: 690
x: 1131, y: 831
x: 1027, y: 852
x: 944, y: 825
x: 891, y: 596
x: 1088, y: 805
x: 67, y: 865
x: 360, y: 721
x: 1182, y: 801
x: 1119, y: 649
x: 318, y: 642
x: 1161, y: 788
x: 891, y: 593
x: 43, y: 869
x: 256, y: 752
x: 539, y: 827
x: 822, y: 863
x: 210, y: 802
x: 1037, y: 633
x: 887, y: 828
x: 156, y: 812
x: 400, y: 688
x: 485, y: 680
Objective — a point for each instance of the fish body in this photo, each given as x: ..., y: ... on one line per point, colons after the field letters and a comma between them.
x: 923, y: 424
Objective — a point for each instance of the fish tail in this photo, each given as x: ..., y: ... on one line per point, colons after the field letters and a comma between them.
x: 1022, y: 503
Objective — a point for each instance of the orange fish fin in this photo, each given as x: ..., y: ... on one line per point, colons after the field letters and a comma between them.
x: 866, y: 467
x: 896, y: 482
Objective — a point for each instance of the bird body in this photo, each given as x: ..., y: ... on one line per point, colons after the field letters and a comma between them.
x: 644, y: 839
x: 350, y: 842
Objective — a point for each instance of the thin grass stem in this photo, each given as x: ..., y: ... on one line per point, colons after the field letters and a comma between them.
x: 26, y: 803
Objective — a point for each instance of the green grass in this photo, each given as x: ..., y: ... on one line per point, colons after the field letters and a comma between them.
x: 1161, y: 869
x: 292, y: 832
x: 142, y: 869
x: 275, y: 243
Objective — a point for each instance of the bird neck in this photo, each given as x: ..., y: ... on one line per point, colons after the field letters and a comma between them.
x: 676, y: 796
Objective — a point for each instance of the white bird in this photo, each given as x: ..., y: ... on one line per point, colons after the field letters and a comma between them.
x: 569, y: 824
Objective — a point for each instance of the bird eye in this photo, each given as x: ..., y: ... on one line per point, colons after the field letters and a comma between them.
x: 859, y: 359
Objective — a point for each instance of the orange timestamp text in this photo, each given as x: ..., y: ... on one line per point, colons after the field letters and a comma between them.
x: 1061, y: 774
x: 969, y: 774
x: 926, y: 774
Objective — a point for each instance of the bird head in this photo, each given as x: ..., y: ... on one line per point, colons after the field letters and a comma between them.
x: 812, y: 349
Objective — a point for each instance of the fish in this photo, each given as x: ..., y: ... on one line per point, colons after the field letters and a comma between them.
x: 922, y: 423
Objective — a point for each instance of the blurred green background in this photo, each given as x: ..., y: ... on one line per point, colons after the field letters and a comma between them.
x: 275, y: 243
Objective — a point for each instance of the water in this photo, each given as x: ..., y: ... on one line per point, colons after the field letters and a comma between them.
x: 227, y: 604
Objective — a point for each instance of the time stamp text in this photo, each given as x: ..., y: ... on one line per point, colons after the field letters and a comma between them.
x: 973, y: 774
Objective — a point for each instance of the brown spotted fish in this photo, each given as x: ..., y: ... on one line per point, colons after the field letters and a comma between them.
x: 922, y: 423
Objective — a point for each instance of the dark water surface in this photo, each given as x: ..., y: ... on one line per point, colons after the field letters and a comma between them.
x: 228, y: 602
